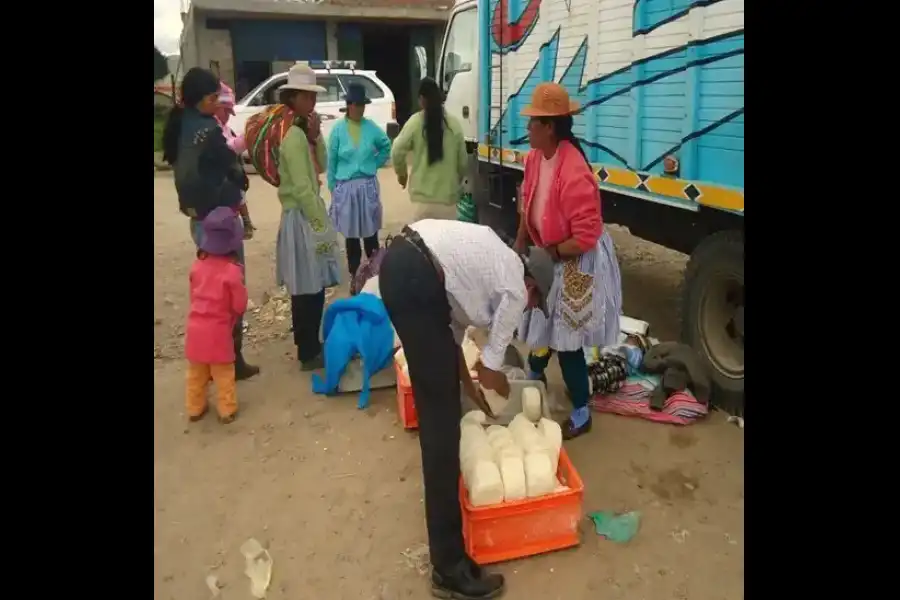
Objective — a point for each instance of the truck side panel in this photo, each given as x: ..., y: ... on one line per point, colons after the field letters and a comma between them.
x: 655, y: 79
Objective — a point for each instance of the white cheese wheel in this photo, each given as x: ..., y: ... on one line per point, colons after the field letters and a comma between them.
x: 495, y: 401
x: 540, y: 477
x: 508, y: 450
x: 470, y: 351
x: 486, y: 485
x: 494, y: 430
x: 523, y: 431
x: 531, y: 404
x: 512, y: 472
x: 471, y: 458
x: 552, y: 434
x: 474, y: 416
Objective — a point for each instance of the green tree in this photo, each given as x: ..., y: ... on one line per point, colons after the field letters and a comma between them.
x: 160, y: 66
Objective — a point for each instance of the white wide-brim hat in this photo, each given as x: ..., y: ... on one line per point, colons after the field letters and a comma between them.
x: 301, y: 77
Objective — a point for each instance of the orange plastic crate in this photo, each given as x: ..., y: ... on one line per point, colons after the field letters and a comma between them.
x: 406, y: 407
x: 526, y: 527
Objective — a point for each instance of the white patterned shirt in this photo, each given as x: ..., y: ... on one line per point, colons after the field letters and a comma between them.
x: 485, y: 281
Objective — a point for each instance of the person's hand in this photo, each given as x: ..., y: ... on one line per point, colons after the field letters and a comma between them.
x: 521, y: 245
x: 313, y: 126
x: 402, y: 179
x: 492, y: 380
x: 553, y: 251
x: 248, y: 230
x: 476, y: 394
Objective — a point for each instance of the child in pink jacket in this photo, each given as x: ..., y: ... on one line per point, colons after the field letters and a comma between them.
x: 218, y: 299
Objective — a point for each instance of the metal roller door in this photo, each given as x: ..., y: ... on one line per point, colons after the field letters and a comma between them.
x: 270, y: 41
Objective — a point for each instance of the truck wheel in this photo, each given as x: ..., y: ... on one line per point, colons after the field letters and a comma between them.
x: 712, y: 316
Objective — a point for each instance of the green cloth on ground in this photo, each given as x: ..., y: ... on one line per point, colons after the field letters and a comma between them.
x: 437, y: 183
x: 616, y: 528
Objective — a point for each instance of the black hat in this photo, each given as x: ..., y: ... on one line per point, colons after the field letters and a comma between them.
x: 356, y: 94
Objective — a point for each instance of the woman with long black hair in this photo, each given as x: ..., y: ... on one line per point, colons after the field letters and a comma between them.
x: 561, y: 213
x: 435, y: 140
x: 207, y: 173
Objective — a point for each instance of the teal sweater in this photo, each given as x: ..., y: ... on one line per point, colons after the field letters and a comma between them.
x: 349, y: 160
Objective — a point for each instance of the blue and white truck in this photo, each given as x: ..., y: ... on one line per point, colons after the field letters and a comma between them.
x: 661, y: 86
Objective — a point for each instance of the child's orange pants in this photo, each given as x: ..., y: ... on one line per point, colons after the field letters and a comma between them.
x: 198, y: 375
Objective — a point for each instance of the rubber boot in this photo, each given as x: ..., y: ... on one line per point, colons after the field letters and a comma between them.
x: 242, y: 370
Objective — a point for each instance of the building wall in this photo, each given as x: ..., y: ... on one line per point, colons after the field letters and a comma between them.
x: 213, y: 48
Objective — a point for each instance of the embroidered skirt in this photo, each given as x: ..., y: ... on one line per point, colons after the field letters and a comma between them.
x: 356, y: 207
x: 584, y: 303
x: 305, y: 261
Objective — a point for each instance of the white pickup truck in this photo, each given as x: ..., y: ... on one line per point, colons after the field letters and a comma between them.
x: 334, y: 76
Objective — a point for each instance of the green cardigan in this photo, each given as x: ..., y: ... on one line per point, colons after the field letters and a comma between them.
x: 299, y: 188
x: 438, y: 183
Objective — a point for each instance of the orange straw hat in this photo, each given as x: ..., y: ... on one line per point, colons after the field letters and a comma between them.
x: 550, y: 100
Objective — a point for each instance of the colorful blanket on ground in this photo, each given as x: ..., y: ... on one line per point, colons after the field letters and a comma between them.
x: 633, y: 400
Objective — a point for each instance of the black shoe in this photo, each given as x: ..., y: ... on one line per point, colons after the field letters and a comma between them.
x: 467, y: 583
x: 312, y: 364
x: 243, y: 370
x: 571, y: 432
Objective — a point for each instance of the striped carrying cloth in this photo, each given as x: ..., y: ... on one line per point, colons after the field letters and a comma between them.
x: 263, y: 135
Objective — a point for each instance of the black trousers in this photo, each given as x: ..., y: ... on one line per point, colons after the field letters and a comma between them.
x: 416, y: 301
x: 306, y: 318
x: 354, y: 252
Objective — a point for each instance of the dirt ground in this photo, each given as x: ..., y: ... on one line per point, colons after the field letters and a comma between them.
x: 336, y: 493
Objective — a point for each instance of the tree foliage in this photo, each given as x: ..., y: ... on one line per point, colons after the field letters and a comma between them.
x: 160, y: 65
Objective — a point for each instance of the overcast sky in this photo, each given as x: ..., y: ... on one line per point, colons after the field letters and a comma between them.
x: 167, y: 25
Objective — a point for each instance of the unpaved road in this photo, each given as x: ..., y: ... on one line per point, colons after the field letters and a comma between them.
x: 336, y: 493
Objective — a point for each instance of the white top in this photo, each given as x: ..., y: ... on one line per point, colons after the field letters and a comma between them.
x: 485, y: 281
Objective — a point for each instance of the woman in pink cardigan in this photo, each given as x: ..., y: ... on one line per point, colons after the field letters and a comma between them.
x: 561, y: 213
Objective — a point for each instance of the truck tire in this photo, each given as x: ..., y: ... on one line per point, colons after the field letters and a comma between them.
x: 712, y: 315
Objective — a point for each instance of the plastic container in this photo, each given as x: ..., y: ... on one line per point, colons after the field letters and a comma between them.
x: 512, y: 530
x: 406, y: 406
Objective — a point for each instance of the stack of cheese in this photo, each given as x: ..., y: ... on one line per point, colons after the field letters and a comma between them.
x: 469, y: 348
x: 510, y: 463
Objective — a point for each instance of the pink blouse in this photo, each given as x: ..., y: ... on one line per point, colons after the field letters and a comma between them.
x: 542, y: 192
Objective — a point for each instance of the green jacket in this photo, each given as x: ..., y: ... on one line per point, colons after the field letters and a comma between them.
x: 299, y: 188
x: 438, y: 183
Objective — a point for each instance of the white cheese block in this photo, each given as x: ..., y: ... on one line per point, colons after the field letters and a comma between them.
x: 507, y: 450
x: 512, y: 472
x: 552, y: 434
x: 531, y: 404
x: 486, y: 485
x: 470, y: 352
x: 470, y: 459
x: 540, y: 477
x: 474, y: 416
x: 523, y: 431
